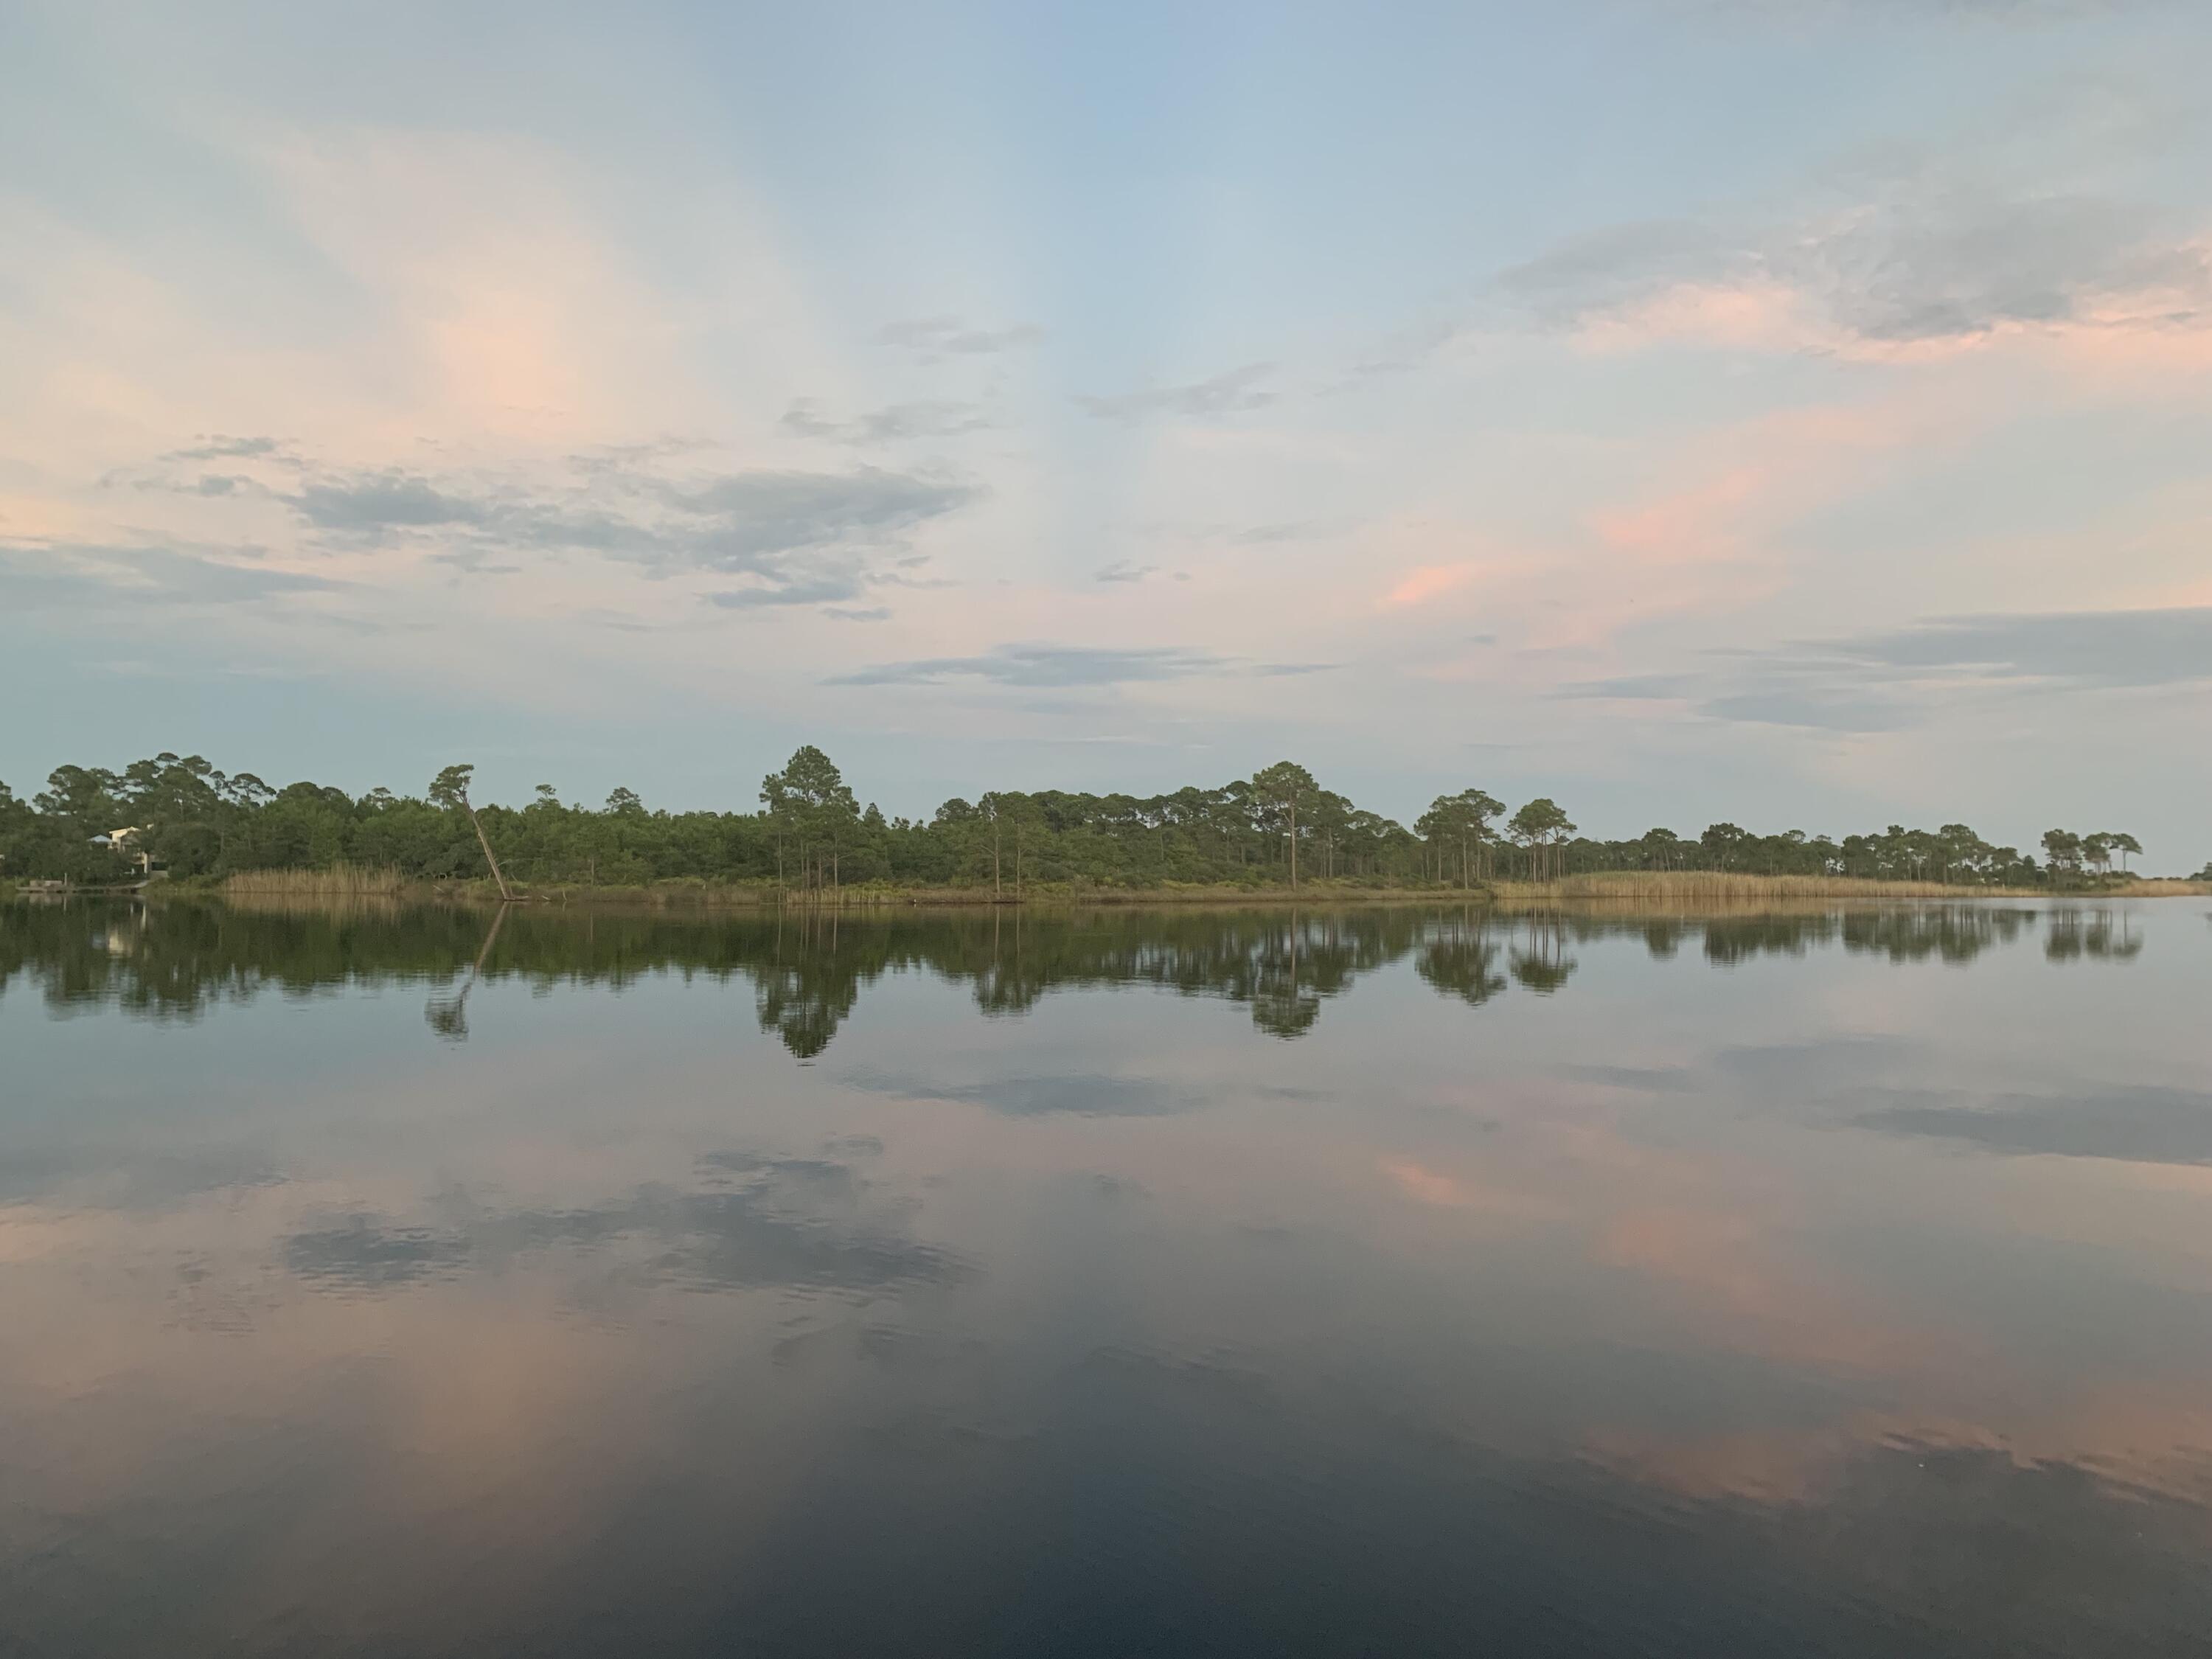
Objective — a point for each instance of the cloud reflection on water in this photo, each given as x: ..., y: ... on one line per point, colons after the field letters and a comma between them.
x: 1615, y: 1286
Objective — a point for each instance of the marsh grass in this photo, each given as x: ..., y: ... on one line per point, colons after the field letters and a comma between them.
x: 1699, y: 884
x: 1709, y: 887
x: 345, y: 886
x: 340, y: 881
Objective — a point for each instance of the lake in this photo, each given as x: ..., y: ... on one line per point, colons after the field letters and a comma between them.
x: 1394, y: 1281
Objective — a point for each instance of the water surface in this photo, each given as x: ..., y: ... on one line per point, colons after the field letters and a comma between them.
x: 1385, y: 1281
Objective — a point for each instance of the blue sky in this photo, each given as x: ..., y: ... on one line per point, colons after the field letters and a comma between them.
x: 1791, y: 411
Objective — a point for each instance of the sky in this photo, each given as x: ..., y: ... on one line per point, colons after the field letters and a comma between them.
x: 1793, y: 412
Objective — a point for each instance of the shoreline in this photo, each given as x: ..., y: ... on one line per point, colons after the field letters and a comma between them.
x: 319, y: 889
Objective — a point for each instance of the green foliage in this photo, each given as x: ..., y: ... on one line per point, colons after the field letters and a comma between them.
x: 1277, y: 794
x: 1540, y: 826
x: 812, y: 833
x: 450, y: 787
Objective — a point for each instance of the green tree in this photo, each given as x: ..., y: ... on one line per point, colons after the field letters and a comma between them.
x: 990, y: 808
x: 1540, y: 826
x: 1461, y: 824
x: 1026, y: 818
x: 1283, y: 787
x: 189, y: 816
x: 2119, y: 841
x: 1662, y: 849
x: 781, y: 814
x: 2097, y: 852
x: 2063, y: 852
x: 450, y: 789
x: 1329, y: 821
x: 1472, y: 811
x: 811, y: 796
x: 1723, y: 846
x: 88, y: 797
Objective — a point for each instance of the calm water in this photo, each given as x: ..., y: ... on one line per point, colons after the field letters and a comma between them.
x: 1385, y: 1282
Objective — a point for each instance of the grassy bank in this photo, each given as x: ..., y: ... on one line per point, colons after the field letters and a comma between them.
x: 288, y: 887
x: 1696, y: 885
x: 1691, y: 887
x: 349, y: 885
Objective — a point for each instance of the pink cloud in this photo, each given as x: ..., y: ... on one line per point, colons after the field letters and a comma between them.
x: 2157, y: 330
x: 1427, y: 581
x: 1761, y: 316
x: 1427, y: 1186
x: 1692, y: 524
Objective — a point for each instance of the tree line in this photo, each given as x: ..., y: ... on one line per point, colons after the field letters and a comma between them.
x: 1277, y: 827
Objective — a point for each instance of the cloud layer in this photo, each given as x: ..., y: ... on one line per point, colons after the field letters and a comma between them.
x: 1045, y: 665
x: 799, y: 538
x: 1230, y: 391
x: 1888, y: 681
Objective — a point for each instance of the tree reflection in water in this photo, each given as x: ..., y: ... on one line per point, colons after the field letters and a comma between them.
x: 1540, y: 958
x: 2105, y: 934
x: 1461, y: 964
x: 448, y: 1015
x: 808, y: 968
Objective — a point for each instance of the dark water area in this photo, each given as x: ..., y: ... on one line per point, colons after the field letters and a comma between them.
x: 1386, y: 1281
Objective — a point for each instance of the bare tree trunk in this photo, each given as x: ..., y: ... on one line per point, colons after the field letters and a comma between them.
x: 485, y: 842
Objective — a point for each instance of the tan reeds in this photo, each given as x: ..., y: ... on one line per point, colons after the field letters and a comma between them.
x: 1733, y: 888
x: 343, y: 882
x: 346, y: 885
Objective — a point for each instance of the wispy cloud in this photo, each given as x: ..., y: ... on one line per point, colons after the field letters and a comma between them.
x: 894, y: 424
x: 39, y: 575
x: 1121, y: 571
x: 1045, y: 665
x: 1889, y: 680
x: 1225, y: 393
x: 1763, y: 694
x: 800, y: 536
x: 1074, y: 666
x: 2073, y: 647
x: 372, y: 503
x: 2030, y: 221
x: 950, y: 336
x: 1267, y: 535
x: 1428, y: 581
x: 205, y: 484
x: 824, y: 588
x: 218, y: 447
x: 749, y: 515
x: 1941, y: 269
